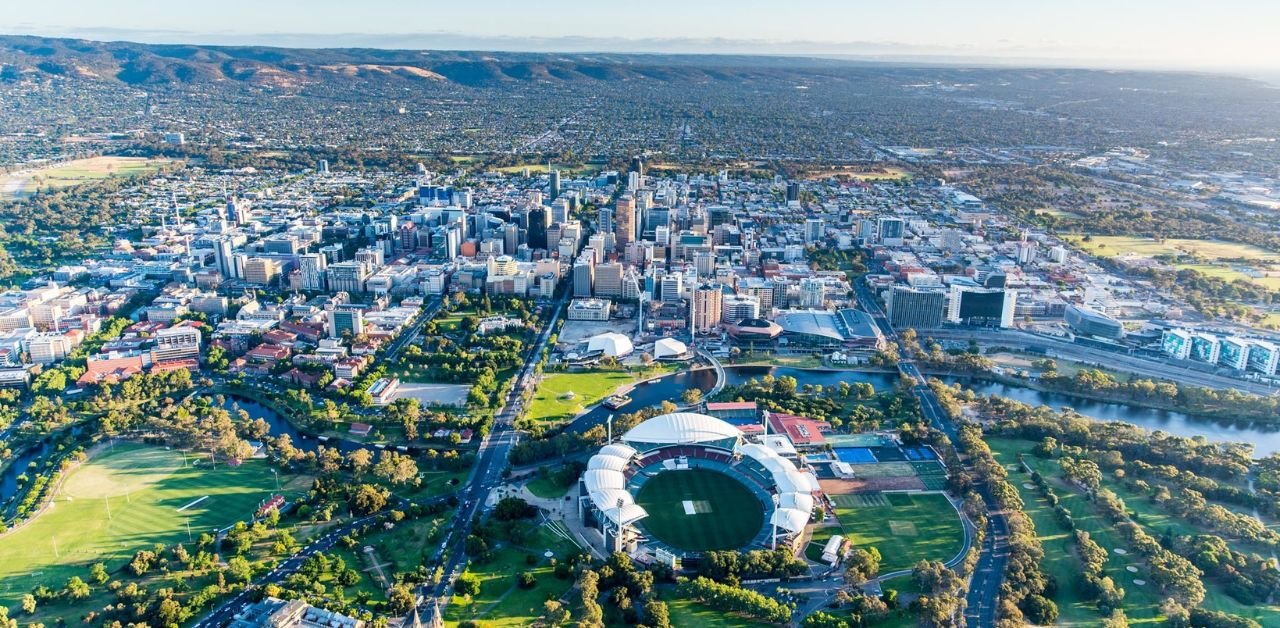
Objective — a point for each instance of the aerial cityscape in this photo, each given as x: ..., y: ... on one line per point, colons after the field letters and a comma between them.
x: 576, y: 325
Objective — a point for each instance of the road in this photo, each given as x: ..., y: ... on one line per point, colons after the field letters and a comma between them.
x: 228, y: 609
x: 1057, y: 347
x: 491, y: 460
x: 984, y: 586
x: 429, y: 312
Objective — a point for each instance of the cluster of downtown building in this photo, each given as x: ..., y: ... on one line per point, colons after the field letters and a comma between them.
x: 944, y: 260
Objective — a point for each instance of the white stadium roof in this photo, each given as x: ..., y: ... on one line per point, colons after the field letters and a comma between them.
x: 790, y: 519
x: 681, y: 428
x: 606, y: 485
x: 795, y: 500
x: 666, y: 347
x: 609, y: 463
x: 618, y: 450
x: 611, y: 344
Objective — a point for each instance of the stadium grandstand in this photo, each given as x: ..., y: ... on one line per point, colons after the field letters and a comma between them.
x: 681, y: 484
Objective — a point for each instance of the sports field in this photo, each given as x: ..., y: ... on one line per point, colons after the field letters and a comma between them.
x: 1207, y: 256
x: 124, y: 500
x: 700, y: 510
x: 75, y: 172
x: 906, y: 528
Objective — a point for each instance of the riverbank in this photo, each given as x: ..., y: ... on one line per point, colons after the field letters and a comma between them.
x: 1152, y: 404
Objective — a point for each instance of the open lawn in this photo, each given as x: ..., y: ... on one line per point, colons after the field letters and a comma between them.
x: 545, y: 487
x: 691, y: 613
x: 906, y: 528
x: 402, y: 548
x: 561, y: 396
x: 1111, y: 246
x: 75, y: 172
x: 124, y: 500
x: 700, y: 510
x: 859, y: 173
x: 1209, y: 255
x: 537, y: 169
x: 502, y: 603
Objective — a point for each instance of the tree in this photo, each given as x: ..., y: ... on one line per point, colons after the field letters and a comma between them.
x: 1040, y: 610
x: 468, y: 584
x: 98, y: 573
x: 395, y: 467
x: 512, y: 508
x: 368, y: 499
x: 76, y: 588
x: 28, y: 604
x: 526, y: 580
x: 657, y: 614
x: 691, y: 396
x: 401, y: 599
x: 360, y: 460
x: 861, y: 566
x: 555, y: 613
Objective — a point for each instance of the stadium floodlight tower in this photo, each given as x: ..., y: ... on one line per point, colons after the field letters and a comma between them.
x: 617, y: 538
x: 773, y: 534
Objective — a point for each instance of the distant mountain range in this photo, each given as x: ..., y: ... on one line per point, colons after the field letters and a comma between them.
x: 176, y: 64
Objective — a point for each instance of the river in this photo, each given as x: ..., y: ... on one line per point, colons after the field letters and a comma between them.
x: 1265, y: 438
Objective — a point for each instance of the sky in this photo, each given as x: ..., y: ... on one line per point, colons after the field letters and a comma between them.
x: 1238, y: 35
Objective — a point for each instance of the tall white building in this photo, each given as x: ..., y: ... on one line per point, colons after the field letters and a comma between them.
x: 176, y: 343
x: 813, y: 293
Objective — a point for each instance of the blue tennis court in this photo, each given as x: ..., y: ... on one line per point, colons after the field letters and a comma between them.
x: 919, y: 453
x: 855, y: 455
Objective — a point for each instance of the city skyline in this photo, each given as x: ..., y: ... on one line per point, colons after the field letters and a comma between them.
x: 1178, y: 35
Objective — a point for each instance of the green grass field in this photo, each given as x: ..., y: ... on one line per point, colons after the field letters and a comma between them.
x: 1209, y: 252
x: 727, y: 515
x: 543, y: 486
x: 500, y: 602
x: 1141, y: 603
x: 78, y: 171
x: 553, y: 403
x: 906, y: 528
x: 690, y: 613
x: 144, y: 487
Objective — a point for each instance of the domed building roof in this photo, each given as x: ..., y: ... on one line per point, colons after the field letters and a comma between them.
x: 682, y: 428
x: 666, y: 347
x: 611, y: 344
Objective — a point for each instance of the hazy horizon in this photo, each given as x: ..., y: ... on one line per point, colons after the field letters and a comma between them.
x: 1231, y: 36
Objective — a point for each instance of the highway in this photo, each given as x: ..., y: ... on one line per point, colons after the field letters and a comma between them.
x: 984, y: 586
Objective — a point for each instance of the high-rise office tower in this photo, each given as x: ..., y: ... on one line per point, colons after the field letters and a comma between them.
x: 706, y: 307
x: 554, y: 186
x: 604, y: 220
x: 538, y: 227
x: 912, y: 308
x: 705, y: 263
x: 814, y: 230
x: 608, y: 280
x: 313, y: 268
x: 222, y: 255
x: 345, y: 321
x: 583, y: 277
x: 624, y: 217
